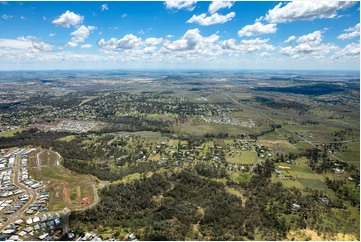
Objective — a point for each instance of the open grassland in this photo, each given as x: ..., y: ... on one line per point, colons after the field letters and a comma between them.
x: 67, y: 138
x: 10, y: 133
x: 242, y: 157
x: 67, y: 189
x: 304, y: 176
x: 352, y: 154
x: 279, y: 146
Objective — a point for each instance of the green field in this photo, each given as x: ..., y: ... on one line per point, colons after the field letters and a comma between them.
x: 305, y: 177
x: 353, y: 155
x: 11, y: 132
x: 243, y: 157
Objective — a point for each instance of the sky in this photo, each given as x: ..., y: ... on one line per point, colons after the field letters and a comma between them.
x: 298, y: 35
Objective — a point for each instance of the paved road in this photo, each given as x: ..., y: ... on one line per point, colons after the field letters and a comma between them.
x: 30, y: 192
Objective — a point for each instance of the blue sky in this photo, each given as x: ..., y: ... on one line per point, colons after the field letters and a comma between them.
x: 180, y: 35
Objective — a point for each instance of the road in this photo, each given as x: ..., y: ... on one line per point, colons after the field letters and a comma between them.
x: 30, y: 192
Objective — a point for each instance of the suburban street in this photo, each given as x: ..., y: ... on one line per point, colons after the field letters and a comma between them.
x: 30, y: 192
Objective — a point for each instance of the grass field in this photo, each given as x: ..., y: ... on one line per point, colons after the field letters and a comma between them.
x: 279, y: 146
x: 67, y: 189
x: 67, y: 138
x: 305, y: 177
x: 243, y: 157
x: 11, y: 132
x: 352, y: 156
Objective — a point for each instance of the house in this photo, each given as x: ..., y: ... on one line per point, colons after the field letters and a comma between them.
x: 43, y: 218
x: 295, y: 207
x: 9, y: 231
x: 57, y: 221
x: 131, y: 236
x: 36, y: 219
x: 41, y: 237
x: 14, y: 237
x: 324, y: 200
x: 87, y: 236
x: 29, y: 229
x: 29, y: 221
x: 22, y: 233
x: 36, y: 226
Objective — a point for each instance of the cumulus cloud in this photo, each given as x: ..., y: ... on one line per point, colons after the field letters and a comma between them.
x: 15, y: 44
x: 309, y: 44
x: 30, y: 43
x: 218, y: 4
x: 128, y: 42
x: 247, y: 46
x: 80, y: 35
x: 257, y: 29
x: 42, y: 46
x: 153, y: 41
x: 192, y: 44
x: 350, y: 51
x: 350, y: 32
x: 175, y: 4
x: 265, y: 54
x: 210, y: 20
x: 104, y: 7
x: 187, y: 42
x: 290, y: 39
x: 52, y: 35
x: 68, y: 19
x: 86, y: 46
x: 306, y: 10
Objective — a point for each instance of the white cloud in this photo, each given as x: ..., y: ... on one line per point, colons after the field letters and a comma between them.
x: 80, y: 35
x: 309, y: 44
x: 153, y: 41
x: 15, y: 44
x: 124, y: 15
x: 27, y: 38
x: 247, y: 46
x: 187, y: 42
x: 176, y: 4
x: 104, y: 7
x: 306, y: 10
x: 7, y: 17
x: 191, y: 45
x: 290, y: 39
x: 128, y: 42
x: 210, y: 20
x: 44, y: 18
x: 68, y: 19
x: 350, y: 51
x: 351, y: 32
x: 218, y: 4
x: 52, y: 35
x: 257, y: 29
x: 149, y: 49
x: 86, y: 46
x: 22, y: 18
x: 42, y: 46
x: 30, y: 43
x: 265, y: 54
